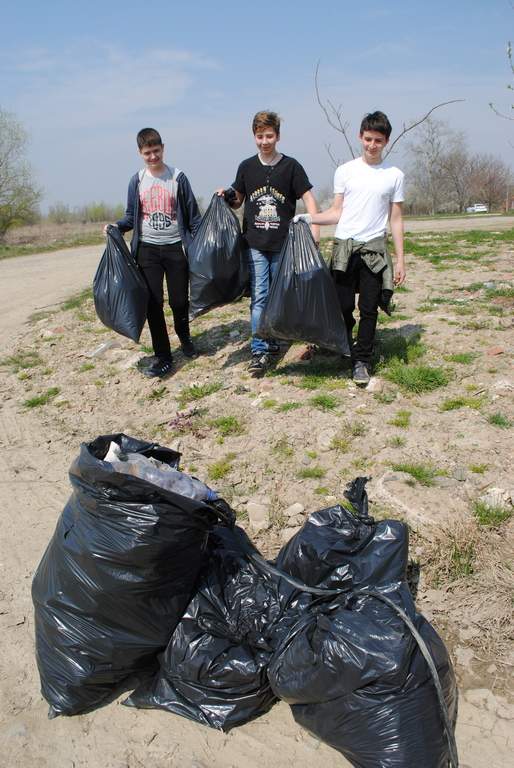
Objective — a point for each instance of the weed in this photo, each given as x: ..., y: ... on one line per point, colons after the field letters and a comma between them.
x: 221, y: 468
x: 78, y: 299
x: 22, y: 360
x: 146, y: 349
x: 340, y: 444
x: 197, y: 392
x: 24, y: 375
x: 452, y: 403
x: 385, y: 397
x: 86, y: 367
x: 499, y: 420
x: 311, y: 473
x: 402, y: 419
x: 416, y: 378
x: 490, y: 515
x: 476, y: 325
x: 495, y: 293
x: 422, y: 473
x: 464, y: 358
x: 324, y: 402
x: 311, y: 454
x: 322, y: 490
x: 228, y: 425
x: 360, y: 464
x: 43, y: 399
x: 269, y: 403
x: 283, y: 448
x: 358, y: 429
x: 289, y: 406
x: 397, y: 442
x: 478, y: 469
x: 157, y: 394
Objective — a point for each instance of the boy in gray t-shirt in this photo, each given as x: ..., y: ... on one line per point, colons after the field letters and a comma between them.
x: 163, y: 214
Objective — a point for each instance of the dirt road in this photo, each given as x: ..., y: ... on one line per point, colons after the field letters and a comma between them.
x: 38, y: 445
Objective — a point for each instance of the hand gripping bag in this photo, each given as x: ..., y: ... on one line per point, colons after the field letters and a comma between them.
x: 218, y: 265
x: 119, y: 289
x: 302, y: 303
x: 214, y: 669
x: 116, y: 576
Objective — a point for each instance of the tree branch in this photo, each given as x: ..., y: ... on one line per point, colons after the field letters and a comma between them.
x: 418, y: 122
x: 339, y: 125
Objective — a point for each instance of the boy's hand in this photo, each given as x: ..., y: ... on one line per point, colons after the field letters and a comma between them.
x: 399, y: 273
x: 220, y: 192
x: 302, y: 217
x: 106, y: 226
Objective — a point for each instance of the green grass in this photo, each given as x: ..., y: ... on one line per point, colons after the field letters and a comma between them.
x: 340, y: 444
x: 43, y: 399
x: 496, y: 293
x: 289, y: 406
x: 157, y: 394
x: 402, y: 419
x: 422, y: 473
x: 283, y: 448
x: 78, y: 299
x: 453, y: 403
x: 478, y: 469
x: 221, y: 468
x: 86, y: 367
x: 269, y: 403
x: 197, y: 392
x: 397, y: 442
x: 499, y: 420
x: 462, y: 559
x: 308, y: 473
x: 228, y: 425
x: 74, y: 241
x: 463, y: 358
x: 324, y: 402
x: 415, y: 378
x: 322, y: 490
x: 22, y: 360
x: 489, y: 515
x: 358, y: 429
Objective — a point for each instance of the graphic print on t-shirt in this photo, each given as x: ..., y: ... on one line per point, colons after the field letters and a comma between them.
x: 266, y: 198
x: 158, y: 207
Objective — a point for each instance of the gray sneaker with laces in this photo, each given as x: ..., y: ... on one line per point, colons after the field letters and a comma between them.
x: 360, y: 373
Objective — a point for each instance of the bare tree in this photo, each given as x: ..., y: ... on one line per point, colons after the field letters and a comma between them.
x: 335, y: 118
x: 490, y: 180
x: 19, y: 197
x: 428, y: 181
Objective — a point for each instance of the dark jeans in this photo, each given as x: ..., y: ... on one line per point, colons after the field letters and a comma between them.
x: 359, y: 278
x: 157, y: 261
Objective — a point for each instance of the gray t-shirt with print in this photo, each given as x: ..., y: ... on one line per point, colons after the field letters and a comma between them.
x: 158, y: 207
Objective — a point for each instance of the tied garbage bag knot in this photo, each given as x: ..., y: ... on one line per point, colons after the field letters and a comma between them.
x: 119, y: 290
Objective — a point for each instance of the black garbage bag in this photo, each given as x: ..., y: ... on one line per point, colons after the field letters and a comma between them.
x: 302, y: 303
x: 119, y: 289
x: 218, y: 264
x: 116, y: 576
x: 352, y: 669
x: 214, y: 669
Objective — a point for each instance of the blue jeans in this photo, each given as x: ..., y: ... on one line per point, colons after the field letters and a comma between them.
x: 263, y: 265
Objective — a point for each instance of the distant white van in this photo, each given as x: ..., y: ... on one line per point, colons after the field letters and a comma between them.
x: 477, y: 208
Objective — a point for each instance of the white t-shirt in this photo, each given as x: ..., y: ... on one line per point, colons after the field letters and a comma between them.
x: 368, y: 192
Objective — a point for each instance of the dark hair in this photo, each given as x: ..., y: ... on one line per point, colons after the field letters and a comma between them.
x: 265, y: 119
x: 148, y: 137
x: 376, y: 121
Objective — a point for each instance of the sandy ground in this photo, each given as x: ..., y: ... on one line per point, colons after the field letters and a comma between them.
x: 38, y: 445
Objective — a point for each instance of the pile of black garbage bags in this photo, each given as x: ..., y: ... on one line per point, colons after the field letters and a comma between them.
x: 147, y: 590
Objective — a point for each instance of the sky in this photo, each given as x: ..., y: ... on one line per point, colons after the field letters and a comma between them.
x: 83, y: 78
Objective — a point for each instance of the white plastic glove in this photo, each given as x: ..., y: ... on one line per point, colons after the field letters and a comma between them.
x: 302, y: 217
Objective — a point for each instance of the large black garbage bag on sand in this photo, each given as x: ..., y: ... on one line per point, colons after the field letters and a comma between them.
x: 214, y: 670
x: 218, y: 265
x: 302, y: 303
x: 119, y: 289
x: 116, y: 576
x: 351, y: 668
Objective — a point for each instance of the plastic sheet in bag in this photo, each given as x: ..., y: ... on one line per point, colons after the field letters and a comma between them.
x: 302, y: 303
x: 115, y: 578
x: 214, y: 670
x: 351, y: 669
x: 218, y: 266
x: 119, y: 289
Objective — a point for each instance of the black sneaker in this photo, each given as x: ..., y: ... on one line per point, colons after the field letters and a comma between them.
x: 273, y: 348
x: 161, y: 369
x: 188, y: 348
x: 259, y: 364
x: 360, y: 373
x: 146, y: 362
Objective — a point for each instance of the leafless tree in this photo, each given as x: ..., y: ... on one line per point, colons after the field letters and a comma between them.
x: 335, y: 118
x: 19, y: 197
x: 490, y: 180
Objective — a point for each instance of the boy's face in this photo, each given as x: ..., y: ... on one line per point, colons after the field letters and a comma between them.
x: 152, y: 155
x: 266, y: 140
x: 373, y: 144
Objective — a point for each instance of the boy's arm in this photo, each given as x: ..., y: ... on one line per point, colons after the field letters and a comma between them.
x: 127, y: 222
x: 192, y: 217
x: 330, y: 216
x: 311, y: 207
x: 235, y: 199
x: 396, y: 222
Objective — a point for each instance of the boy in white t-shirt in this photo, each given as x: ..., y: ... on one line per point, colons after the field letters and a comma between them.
x: 368, y: 193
